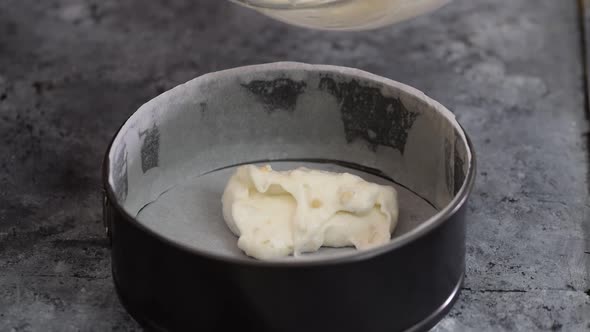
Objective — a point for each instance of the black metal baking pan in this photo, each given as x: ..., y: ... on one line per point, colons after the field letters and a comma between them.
x: 176, y: 265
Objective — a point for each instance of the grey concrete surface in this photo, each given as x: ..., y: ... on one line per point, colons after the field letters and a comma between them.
x: 71, y: 71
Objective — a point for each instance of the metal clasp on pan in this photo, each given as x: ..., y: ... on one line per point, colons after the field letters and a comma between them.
x: 107, y: 216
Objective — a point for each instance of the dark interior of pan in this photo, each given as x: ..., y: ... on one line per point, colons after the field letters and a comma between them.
x: 176, y: 265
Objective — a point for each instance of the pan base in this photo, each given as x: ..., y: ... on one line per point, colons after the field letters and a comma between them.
x: 190, y: 213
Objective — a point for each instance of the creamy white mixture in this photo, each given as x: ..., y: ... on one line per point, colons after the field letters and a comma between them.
x: 277, y: 214
x: 352, y: 14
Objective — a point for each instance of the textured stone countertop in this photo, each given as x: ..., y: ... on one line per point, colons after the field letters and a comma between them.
x: 71, y: 71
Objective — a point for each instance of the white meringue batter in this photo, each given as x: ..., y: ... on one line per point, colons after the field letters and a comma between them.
x: 276, y: 214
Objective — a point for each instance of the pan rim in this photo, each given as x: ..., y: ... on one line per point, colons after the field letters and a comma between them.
x: 422, y: 230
